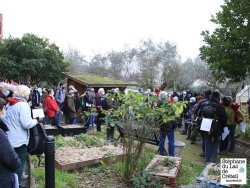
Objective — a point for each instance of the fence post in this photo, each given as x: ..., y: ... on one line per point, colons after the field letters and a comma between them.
x: 49, y: 151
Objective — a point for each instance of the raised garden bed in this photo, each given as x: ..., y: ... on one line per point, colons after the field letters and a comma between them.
x: 71, y: 130
x: 211, y: 175
x: 165, y: 167
x: 71, y: 158
x: 52, y: 130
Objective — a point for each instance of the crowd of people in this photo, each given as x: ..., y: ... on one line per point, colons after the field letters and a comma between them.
x: 17, y: 101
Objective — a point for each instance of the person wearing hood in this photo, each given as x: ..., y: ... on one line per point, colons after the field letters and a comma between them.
x: 18, y: 120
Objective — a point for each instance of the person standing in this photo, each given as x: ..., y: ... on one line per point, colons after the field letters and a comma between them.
x: 18, y: 120
x: 52, y: 107
x: 212, y: 109
x: 226, y: 101
x: 166, y: 129
x: 100, y: 104
x: 71, y: 112
x: 60, y: 96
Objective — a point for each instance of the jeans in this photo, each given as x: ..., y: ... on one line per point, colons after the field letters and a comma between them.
x: 211, y: 149
x: 170, y: 136
x: 231, y: 144
x: 72, y: 120
x: 22, y: 155
x: 203, y: 141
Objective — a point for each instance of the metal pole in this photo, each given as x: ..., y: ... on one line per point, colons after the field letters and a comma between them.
x: 49, y: 146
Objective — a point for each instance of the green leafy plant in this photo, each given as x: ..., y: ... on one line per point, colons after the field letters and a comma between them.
x: 88, y: 140
x: 143, y: 179
x: 138, y: 120
x: 62, y: 142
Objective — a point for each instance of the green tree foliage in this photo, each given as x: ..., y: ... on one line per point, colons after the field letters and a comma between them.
x: 227, y: 49
x: 31, y: 59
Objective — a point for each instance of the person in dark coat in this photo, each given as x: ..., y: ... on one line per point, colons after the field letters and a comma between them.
x: 9, y: 161
x: 100, y: 104
x: 212, y: 138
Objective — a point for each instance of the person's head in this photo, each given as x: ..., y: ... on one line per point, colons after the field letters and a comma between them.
x: 50, y: 92
x: 226, y: 101
x: 71, y: 92
x: 101, y: 91
x: 71, y: 87
x: 184, y: 92
x: 163, y: 95
x: 207, y: 93
x: 215, y: 95
x: 157, y: 88
x: 192, y: 100
x: 175, y: 99
x: 22, y: 91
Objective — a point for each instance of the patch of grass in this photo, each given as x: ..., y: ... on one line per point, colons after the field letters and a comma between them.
x: 88, y: 140
x: 188, y: 172
x: 61, y: 142
x: 63, y: 179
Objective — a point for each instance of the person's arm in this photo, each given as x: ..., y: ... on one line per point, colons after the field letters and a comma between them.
x: 8, y: 156
x: 57, y: 95
x: 25, y: 117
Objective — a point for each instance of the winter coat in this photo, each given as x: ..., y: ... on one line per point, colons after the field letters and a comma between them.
x: 60, y: 95
x: 51, y: 106
x: 9, y: 162
x: 71, y: 109
x: 18, y: 120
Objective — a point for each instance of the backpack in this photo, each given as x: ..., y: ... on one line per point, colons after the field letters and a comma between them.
x: 37, y: 137
x: 208, y: 110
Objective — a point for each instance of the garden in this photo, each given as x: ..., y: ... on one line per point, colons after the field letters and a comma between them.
x: 87, y: 160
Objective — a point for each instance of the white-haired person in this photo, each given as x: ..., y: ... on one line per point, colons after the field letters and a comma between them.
x: 100, y: 104
x: 18, y: 120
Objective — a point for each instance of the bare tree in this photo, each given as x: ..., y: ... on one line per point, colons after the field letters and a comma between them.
x: 77, y: 62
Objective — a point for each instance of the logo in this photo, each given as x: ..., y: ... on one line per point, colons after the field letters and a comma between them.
x: 233, y: 171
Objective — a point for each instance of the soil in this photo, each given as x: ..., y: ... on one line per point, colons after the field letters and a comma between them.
x: 71, y: 126
x: 50, y: 127
x: 68, y: 155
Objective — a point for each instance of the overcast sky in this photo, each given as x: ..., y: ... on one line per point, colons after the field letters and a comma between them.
x: 93, y: 26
